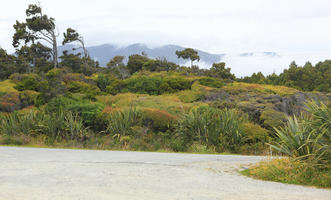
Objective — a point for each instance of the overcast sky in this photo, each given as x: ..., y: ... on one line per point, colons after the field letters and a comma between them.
x: 218, y: 26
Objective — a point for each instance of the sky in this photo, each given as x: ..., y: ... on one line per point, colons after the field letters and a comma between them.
x: 295, y: 29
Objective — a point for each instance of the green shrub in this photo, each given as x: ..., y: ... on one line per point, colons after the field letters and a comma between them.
x: 211, y: 82
x: 156, y: 85
x: 85, y: 109
x: 272, y: 118
x: 29, y: 82
x: 144, y: 85
x: 28, y: 97
x: 116, y: 86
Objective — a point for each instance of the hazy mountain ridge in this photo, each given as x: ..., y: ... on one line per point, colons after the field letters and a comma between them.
x: 103, y: 53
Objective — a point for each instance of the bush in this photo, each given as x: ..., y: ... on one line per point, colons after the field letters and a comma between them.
x: 116, y: 86
x: 156, y: 85
x: 211, y: 82
x: 9, y: 102
x: 256, y: 137
x: 272, y: 118
x: 29, y: 82
x: 28, y: 97
x: 85, y: 109
x: 158, y: 120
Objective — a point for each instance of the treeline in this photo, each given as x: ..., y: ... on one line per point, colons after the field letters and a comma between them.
x: 305, y: 78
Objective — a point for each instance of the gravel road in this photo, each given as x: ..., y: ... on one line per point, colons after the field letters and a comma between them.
x: 47, y: 174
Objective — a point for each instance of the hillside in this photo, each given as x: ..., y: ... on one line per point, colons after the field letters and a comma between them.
x: 157, y: 101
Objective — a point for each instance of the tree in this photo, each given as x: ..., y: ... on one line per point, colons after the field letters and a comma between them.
x: 35, y: 57
x: 37, y: 27
x: 70, y: 36
x: 136, y: 62
x: 72, y: 61
x: 218, y: 70
x: 7, y: 64
x: 188, y: 53
x: 117, y: 63
x: 160, y: 65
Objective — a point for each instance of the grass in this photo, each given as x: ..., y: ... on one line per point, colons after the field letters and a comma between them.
x: 292, y: 172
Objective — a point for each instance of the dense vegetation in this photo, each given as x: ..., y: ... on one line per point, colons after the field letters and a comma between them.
x: 307, y: 142
x: 155, y: 105
x: 306, y: 78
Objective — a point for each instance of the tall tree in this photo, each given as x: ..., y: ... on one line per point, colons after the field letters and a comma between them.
x: 72, y: 35
x: 37, y: 27
x: 188, y: 53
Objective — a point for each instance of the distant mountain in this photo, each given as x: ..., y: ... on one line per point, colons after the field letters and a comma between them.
x: 103, y: 53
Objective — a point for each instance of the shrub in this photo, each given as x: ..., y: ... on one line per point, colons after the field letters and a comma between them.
x: 156, y: 85
x: 29, y: 82
x: 28, y: 97
x: 158, y: 120
x: 85, y: 109
x: 211, y: 82
x: 272, y: 118
x: 256, y: 138
x: 144, y: 85
x: 9, y: 102
x: 116, y: 86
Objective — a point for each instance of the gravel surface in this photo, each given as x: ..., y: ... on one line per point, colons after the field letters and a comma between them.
x: 47, y: 174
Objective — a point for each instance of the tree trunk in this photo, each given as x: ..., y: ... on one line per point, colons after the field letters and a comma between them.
x: 55, y: 55
x: 85, y: 55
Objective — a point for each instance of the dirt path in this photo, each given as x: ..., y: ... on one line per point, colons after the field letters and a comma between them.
x: 40, y: 174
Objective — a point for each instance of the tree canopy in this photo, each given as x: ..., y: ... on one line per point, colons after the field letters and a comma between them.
x: 37, y: 27
x: 188, y: 53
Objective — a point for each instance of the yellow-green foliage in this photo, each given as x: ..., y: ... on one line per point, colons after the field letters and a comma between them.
x: 9, y: 96
x: 74, y: 77
x: 246, y: 87
x: 169, y: 103
x: 82, y: 87
x: 196, y: 93
x: 7, y: 86
x: 165, y: 74
x: 293, y: 172
x: 272, y: 118
x: 254, y: 132
x: 28, y: 97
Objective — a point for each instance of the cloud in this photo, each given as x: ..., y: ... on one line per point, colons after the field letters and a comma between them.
x: 217, y: 26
